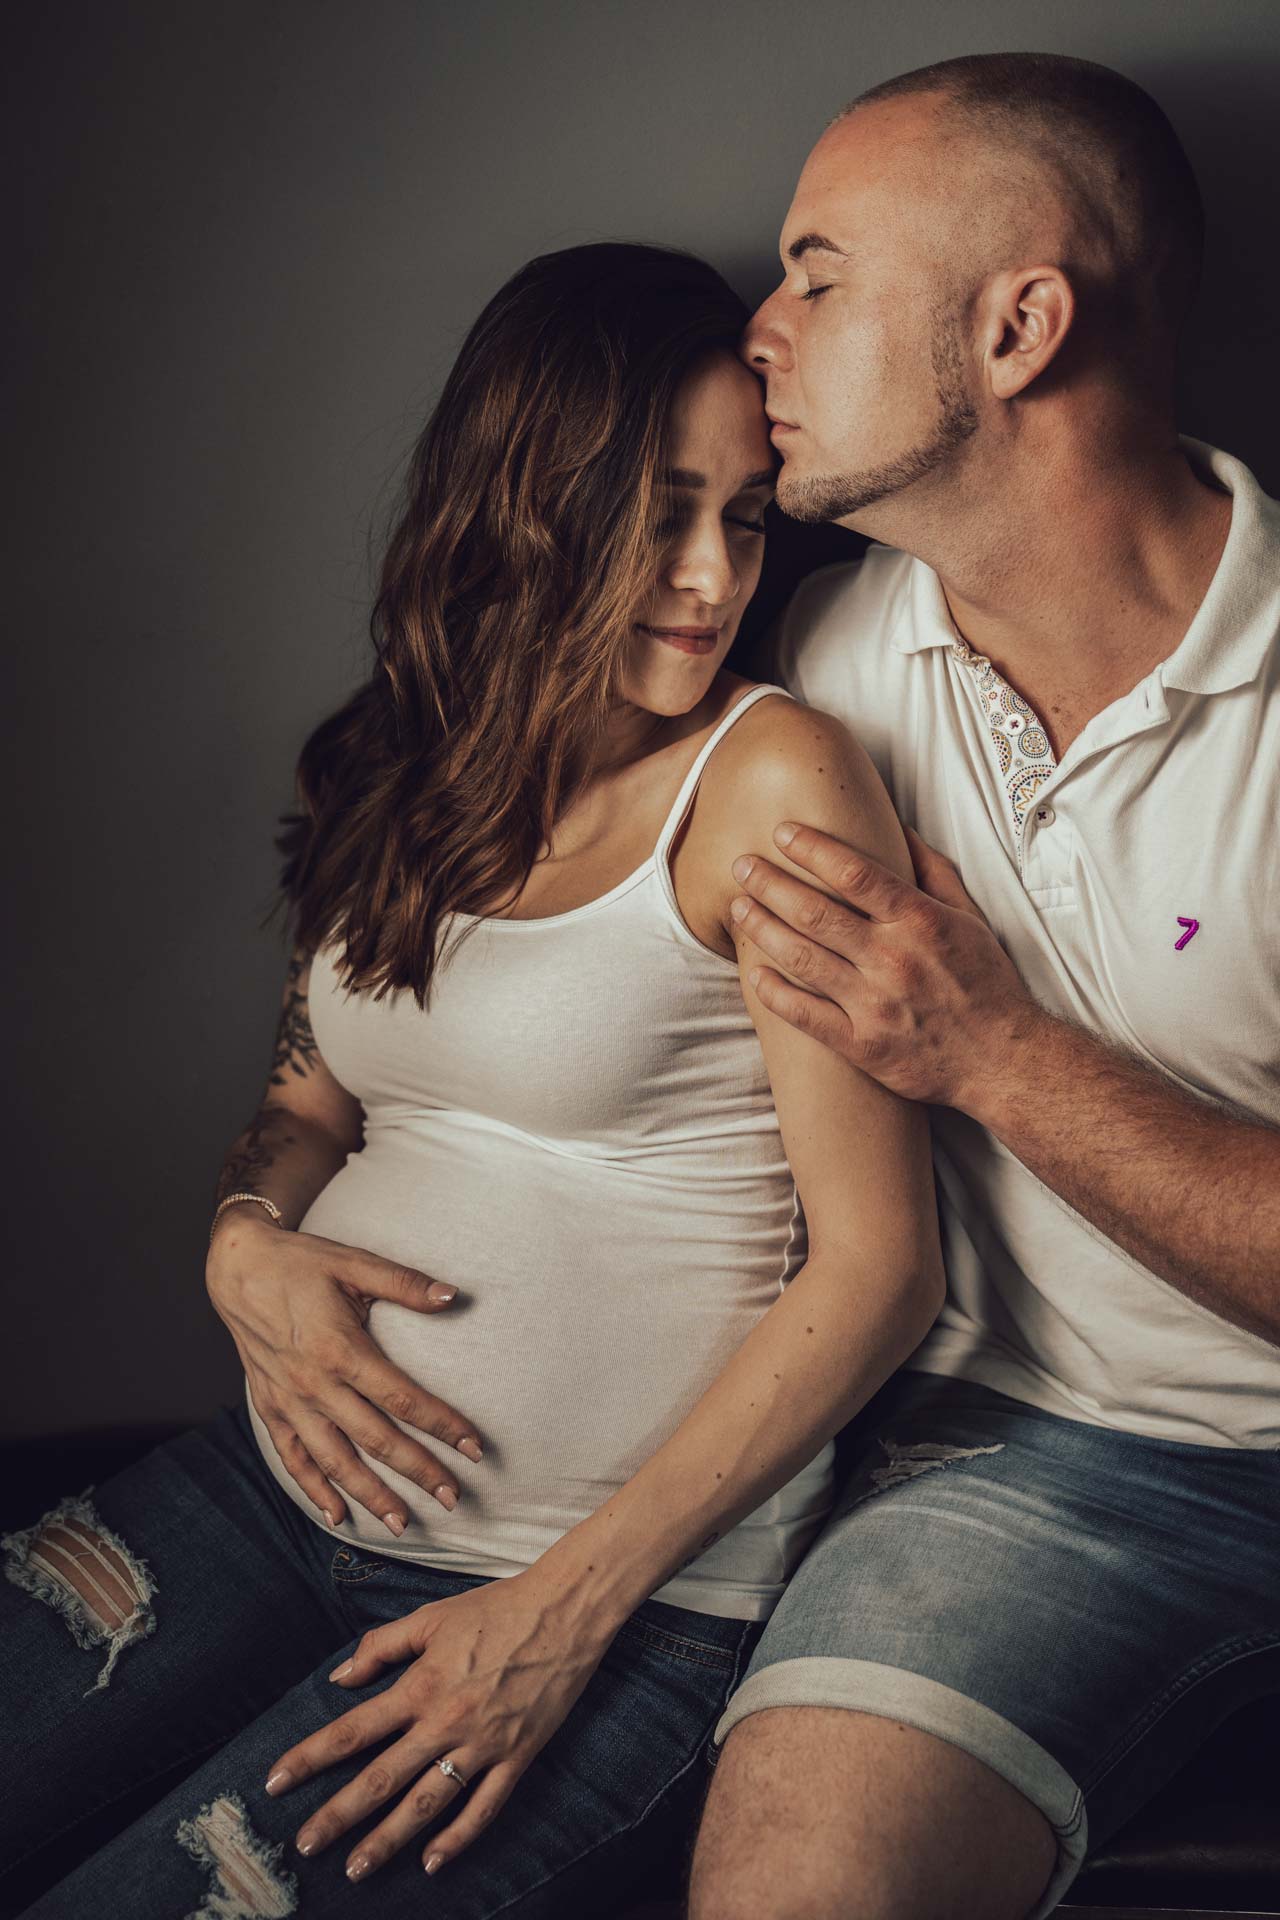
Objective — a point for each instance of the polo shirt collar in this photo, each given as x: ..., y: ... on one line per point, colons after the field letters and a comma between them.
x: 1235, y: 624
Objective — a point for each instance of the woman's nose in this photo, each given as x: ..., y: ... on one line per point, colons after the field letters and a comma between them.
x: 705, y: 567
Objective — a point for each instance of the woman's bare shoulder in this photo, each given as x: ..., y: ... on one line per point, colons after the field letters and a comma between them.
x: 784, y: 761
x: 780, y: 741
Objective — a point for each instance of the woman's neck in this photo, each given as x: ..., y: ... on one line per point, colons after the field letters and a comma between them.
x: 628, y: 735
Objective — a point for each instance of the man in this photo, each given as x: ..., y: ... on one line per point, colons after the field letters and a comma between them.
x: 1055, y: 1563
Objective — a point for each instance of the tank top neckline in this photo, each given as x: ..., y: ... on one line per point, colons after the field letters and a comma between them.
x: 678, y: 809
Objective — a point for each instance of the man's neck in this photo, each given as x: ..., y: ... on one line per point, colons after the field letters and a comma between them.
x: 1076, y: 570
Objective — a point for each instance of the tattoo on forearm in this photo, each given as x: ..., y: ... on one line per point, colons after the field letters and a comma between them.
x: 255, y: 1151
x: 295, y: 1042
x: 697, y: 1552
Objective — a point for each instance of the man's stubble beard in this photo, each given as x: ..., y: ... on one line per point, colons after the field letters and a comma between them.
x: 838, y: 496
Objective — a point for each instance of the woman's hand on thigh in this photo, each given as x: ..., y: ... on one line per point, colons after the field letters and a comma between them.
x: 296, y: 1305
x: 493, y: 1672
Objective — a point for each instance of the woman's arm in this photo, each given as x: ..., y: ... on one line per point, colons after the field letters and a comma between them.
x: 306, y: 1124
x: 873, y: 1282
x: 296, y: 1304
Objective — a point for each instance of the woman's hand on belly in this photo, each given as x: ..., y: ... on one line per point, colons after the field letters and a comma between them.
x: 296, y: 1306
x: 494, y: 1671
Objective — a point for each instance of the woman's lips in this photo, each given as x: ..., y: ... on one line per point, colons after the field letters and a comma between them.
x: 686, y: 639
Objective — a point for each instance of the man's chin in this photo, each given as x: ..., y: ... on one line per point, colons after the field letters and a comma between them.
x: 814, y: 498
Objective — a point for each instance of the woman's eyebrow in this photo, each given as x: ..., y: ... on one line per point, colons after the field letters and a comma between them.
x: 687, y: 477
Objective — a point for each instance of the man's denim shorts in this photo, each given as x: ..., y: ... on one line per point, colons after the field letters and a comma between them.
x: 1076, y: 1606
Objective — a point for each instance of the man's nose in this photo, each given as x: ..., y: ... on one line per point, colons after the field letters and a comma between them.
x: 762, y: 345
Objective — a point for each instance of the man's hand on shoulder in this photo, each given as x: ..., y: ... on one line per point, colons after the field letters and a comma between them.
x: 868, y: 940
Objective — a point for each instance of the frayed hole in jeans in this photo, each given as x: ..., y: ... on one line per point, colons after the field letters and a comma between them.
x: 248, y: 1882
x: 73, y: 1562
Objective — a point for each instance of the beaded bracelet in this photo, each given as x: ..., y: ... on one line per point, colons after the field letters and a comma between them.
x: 261, y: 1199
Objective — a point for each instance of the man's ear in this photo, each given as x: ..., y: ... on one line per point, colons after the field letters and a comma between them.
x: 1026, y: 316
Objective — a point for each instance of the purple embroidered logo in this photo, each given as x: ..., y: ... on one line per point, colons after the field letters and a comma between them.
x: 1192, y: 928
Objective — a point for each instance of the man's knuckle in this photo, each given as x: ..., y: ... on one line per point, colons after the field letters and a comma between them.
x: 820, y: 916
x: 930, y: 917
x: 800, y: 960
x: 851, y: 874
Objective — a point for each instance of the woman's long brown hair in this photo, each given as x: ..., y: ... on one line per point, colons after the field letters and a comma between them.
x: 526, y: 545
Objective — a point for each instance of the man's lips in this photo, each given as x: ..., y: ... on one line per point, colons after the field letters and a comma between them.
x: 777, y: 426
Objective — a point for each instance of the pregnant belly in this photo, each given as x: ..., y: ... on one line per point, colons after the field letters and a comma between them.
x: 595, y: 1306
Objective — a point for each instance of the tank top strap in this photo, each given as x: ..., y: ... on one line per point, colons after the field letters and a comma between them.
x: 690, y: 784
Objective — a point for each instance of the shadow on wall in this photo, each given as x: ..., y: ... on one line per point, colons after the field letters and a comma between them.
x: 1225, y: 112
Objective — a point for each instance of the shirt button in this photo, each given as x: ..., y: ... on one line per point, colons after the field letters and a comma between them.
x: 1045, y: 816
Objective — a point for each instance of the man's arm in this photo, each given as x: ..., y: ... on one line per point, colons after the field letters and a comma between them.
x: 1190, y: 1189
x: 911, y: 984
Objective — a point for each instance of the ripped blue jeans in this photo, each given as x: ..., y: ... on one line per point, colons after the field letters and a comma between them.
x: 218, y: 1612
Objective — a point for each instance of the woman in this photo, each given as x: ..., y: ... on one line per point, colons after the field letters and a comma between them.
x: 519, y: 1054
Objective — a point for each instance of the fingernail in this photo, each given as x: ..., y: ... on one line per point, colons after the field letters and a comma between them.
x: 279, y: 1780
x: 785, y: 834
x: 329, y: 1519
x: 754, y: 976
x: 740, y: 909
x: 394, y: 1522
x: 447, y: 1497
x: 742, y: 867
x: 340, y: 1672
x: 471, y: 1448
x: 439, y: 1291
x: 434, y: 1860
x: 357, y: 1868
x: 305, y: 1843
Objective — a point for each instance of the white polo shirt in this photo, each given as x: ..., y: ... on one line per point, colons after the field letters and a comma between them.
x: 1136, y: 886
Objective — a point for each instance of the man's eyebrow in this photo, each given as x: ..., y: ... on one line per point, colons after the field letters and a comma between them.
x: 687, y: 477
x: 813, y: 243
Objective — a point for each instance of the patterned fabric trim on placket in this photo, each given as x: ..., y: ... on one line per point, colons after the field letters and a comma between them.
x: 1021, y: 744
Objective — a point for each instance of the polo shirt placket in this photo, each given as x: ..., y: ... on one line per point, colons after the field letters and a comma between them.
x: 1025, y: 765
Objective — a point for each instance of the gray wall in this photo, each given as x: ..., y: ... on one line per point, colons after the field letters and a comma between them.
x: 253, y: 237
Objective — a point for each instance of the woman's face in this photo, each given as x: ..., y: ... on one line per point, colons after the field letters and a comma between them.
x: 720, y: 479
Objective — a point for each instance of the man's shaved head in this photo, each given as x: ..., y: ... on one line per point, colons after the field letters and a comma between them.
x: 1097, y: 144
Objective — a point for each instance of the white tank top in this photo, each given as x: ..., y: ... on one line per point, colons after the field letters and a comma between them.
x: 578, y: 1132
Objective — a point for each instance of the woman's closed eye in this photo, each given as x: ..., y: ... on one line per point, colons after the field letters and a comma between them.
x: 668, y: 529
